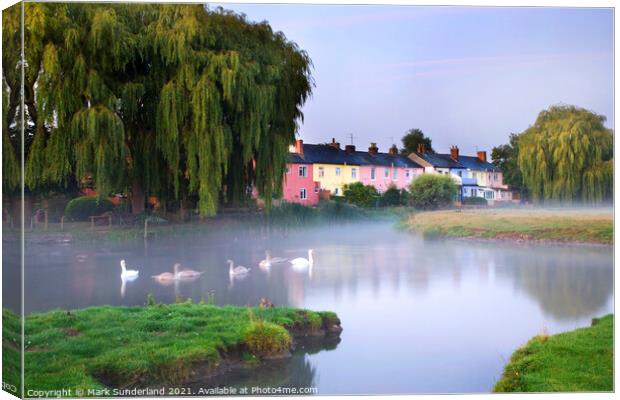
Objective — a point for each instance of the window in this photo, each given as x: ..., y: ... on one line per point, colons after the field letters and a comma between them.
x: 407, y: 174
x: 354, y: 173
x: 488, y: 195
x: 386, y: 173
x: 303, y: 171
x: 473, y: 193
x: 302, y: 194
x: 316, y: 187
x: 336, y: 191
x: 460, y: 173
x: 321, y: 172
x: 495, y: 177
x: 372, y: 173
x: 394, y: 173
x: 337, y: 171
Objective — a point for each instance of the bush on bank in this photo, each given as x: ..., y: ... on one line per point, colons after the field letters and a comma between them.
x: 80, y: 208
x: 432, y: 191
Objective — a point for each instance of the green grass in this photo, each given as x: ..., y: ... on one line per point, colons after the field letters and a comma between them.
x: 577, y: 361
x: 527, y: 224
x: 133, y: 346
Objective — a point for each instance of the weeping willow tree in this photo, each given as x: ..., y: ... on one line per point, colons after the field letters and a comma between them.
x: 567, y: 156
x: 176, y: 101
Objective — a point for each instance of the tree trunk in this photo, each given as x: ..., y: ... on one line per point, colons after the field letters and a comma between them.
x: 137, y: 198
x: 16, y: 211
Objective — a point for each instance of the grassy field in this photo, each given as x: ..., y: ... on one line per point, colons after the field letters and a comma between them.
x: 108, y: 346
x: 587, y: 226
x: 577, y: 361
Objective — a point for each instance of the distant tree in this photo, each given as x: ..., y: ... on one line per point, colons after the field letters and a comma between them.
x: 432, y: 191
x: 567, y: 156
x: 505, y: 157
x: 412, y: 139
x: 359, y: 194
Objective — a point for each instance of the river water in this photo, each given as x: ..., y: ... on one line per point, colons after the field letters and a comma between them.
x: 419, y: 316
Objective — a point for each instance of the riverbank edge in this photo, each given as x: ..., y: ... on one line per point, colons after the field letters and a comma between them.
x: 301, y: 324
x: 576, y: 361
x: 527, y: 241
x: 486, y: 234
x: 256, y: 220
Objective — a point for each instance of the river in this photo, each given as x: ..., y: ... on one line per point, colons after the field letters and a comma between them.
x: 419, y: 316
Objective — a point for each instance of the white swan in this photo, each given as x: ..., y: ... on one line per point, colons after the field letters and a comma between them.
x: 127, y: 273
x: 301, y: 262
x: 269, y: 261
x: 186, y: 273
x: 238, y: 270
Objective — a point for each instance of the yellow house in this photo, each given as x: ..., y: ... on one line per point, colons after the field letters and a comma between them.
x: 333, y: 177
x: 332, y: 167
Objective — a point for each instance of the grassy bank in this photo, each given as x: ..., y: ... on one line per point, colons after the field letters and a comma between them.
x: 159, y: 344
x: 587, y: 226
x: 577, y: 361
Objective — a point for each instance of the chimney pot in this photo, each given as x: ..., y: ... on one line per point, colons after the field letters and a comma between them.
x: 350, y: 148
x: 421, y: 148
x: 482, y: 156
x: 454, y: 153
x: 299, y: 147
x: 334, y: 143
x: 393, y: 150
x: 373, y: 149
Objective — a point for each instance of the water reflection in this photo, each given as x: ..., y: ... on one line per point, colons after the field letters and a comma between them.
x: 294, y: 372
x: 466, y: 306
x: 124, y: 281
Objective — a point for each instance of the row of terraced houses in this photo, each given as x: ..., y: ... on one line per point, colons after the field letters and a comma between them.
x: 322, y: 170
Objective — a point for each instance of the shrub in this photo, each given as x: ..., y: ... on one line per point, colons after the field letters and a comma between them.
x: 80, y: 208
x: 432, y: 191
x: 474, y: 201
x: 265, y: 338
x: 360, y: 195
x: 395, y: 197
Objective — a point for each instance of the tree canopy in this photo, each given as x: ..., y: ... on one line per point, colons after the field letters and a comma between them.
x: 177, y: 101
x: 412, y: 139
x: 567, y: 156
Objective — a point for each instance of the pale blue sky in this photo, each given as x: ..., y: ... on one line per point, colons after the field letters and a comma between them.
x: 464, y: 75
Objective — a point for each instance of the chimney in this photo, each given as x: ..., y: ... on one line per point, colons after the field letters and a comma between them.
x: 482, y: 156
x: 299, y: 147
x: 349, y: 148
x: 393, y: 150
x: 334, y: 143
x: 454, y: 153
x: 421, y: 148
x: 373, y: 149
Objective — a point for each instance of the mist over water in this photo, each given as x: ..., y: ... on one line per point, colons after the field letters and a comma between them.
x: 419, y: 316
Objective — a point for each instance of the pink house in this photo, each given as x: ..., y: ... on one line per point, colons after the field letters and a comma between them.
x: 384, y: 170
x: 299, y: 185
